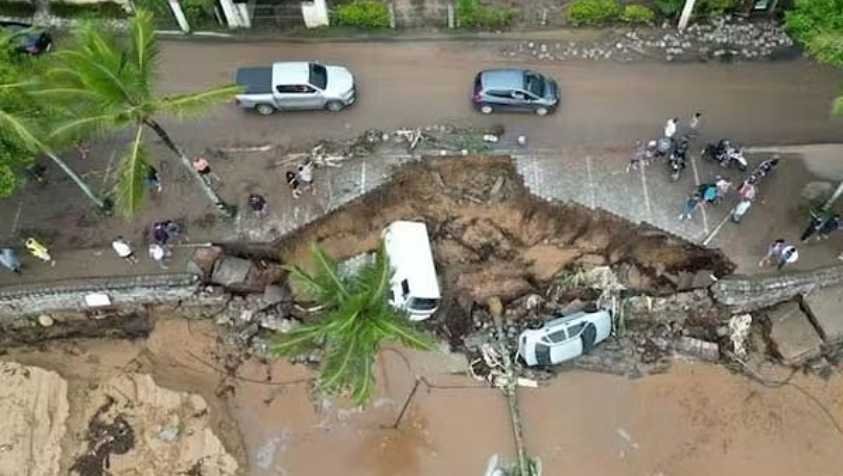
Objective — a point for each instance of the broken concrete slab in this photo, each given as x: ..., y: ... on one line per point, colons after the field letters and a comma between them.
x: 793, y: 336
x: 203, y: 260
x: 825, y: 306
x: 700, y: 349
x: 230, y: 271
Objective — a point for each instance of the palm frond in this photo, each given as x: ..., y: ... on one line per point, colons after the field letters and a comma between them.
x: 17, y: 85
x: 301, y: 340
x: 101, y: 75
x: 22, y: 132
x: 133, y: 169
x: 327, y: 269
x: 143, y: 49
x: 193, y: 104
x: 403, y: 331
x: 310, y: 286
x: 374, y: 277
x: 84, y: 126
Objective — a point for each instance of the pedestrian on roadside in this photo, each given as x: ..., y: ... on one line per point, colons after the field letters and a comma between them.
x: 293, y: 182
x: 159, y: 233
x: 152, y: 181
x: 670, y: 127
x: 829, y: 226
x: 773, y: 252
x: 694, y: 123
x: 691, y: 204
x: 38, y: 250
x: 159, y: 254
x: 305, y: 175
x: 789, y: 255
x: 818, y: 219
x: 124, y: 250
x: 723, y: 186
x: 203, y: 168
x: 638, y: 158
x: 709, y: 192
x: 258, y: 204
x: 9, y: 260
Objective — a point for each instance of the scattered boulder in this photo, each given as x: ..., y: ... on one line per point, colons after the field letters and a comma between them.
x: 203, y: 261
x: 698, y: 348
x: 274, y: 294
x: 824, y: 307
x: 45, y: 320
x: 230, y: 271
x: 792, y: 336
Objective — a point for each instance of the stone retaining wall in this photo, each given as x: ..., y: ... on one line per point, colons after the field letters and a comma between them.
x: 40, y: 298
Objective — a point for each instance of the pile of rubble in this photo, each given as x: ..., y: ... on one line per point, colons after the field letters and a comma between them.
x: 724, y: 38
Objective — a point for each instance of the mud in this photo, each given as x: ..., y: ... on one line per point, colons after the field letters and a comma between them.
x: 117, y: 326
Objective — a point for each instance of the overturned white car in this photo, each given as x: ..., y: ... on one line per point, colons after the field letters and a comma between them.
x: 565, y: 337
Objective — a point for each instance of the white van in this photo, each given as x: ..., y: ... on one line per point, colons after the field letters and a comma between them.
x: 414, y: 285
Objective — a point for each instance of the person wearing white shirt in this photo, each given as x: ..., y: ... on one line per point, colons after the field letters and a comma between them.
x: 124, y: 250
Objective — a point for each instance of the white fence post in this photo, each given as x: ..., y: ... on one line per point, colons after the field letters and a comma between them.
x: 175, y: 6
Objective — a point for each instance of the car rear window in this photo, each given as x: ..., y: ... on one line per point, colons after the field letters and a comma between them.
x: 318, y: 76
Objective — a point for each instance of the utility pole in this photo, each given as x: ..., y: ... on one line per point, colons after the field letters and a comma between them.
x: 687, y: 10
x: 834, y: 196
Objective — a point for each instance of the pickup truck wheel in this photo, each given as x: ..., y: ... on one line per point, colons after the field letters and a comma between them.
x: 542, y: 111
x: 264, y: 109
x: 588, y: 336
x: 335, y: 106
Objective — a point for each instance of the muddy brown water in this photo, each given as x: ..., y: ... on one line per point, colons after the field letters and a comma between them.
x: 695, y: 420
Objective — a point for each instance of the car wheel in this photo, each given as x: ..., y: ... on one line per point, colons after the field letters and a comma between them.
x: 542, y: 111
x: 588, y: 336
x: 486, y: 109
x: 335, y: 106
x: 264, y: 109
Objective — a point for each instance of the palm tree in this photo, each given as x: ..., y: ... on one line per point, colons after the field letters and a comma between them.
x: 24, y: 136
x: 354, y: 320
x: 105, y: 84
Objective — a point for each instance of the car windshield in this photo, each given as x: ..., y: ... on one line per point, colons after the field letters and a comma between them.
x: 423, y: 304
x: 318, y: 76
x: 534, y: 83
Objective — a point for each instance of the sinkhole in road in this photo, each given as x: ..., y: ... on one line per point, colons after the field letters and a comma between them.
x: 492, y: 238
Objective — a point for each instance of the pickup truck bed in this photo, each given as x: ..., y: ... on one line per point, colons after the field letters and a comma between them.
x: 256, y: 80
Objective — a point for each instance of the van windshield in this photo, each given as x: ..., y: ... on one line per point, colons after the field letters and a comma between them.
x: 423, y: 304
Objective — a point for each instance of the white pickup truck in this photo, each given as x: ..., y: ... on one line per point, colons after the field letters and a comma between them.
x: 295, y: 86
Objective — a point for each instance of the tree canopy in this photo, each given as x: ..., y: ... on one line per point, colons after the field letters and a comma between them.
x: 354, y: 320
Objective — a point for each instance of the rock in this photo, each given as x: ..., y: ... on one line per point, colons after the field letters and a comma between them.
x: 496, y: 188
x: 793, y: 337
x: 495, y: 306
x: 278, y: 323
x: 231, y: 271
x: 203, y: 260
x: 169, y: 434
x: 246, y: 334
x: 45, y: 320
x: 707, y: 351
x: 824, y: 307
x: 591, y: 259
x: 246, y: 315
x: 273, y: 294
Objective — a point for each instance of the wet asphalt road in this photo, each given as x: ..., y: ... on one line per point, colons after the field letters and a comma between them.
x: 412, y: 84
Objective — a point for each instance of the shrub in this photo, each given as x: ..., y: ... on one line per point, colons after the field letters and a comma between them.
x: 363, y: 14
x: 103, y: 10
x: 473, y: 15
x: 199, y: 13
x: 670, y: 8
x: 17, y: 9
x: 717, y: 7
x: 638, y: 14
x: 593, y: 12
x: 818, y: 24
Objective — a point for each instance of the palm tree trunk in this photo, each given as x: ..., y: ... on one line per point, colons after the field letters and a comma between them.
x: 85, y: 189
x: 218, y: 202
x: 744, y: 293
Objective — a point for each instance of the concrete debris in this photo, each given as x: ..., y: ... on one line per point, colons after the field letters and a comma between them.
x: 824, y: 307
x: 229, y: 271
x: 793, y: 337
x: 273, y: 294
x: 698, y: 348
x: 739, y: 327
x: 726, y: 39
x: 45, y: 320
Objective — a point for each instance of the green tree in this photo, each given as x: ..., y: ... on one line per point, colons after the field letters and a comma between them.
x: 355, y: 319
x: 23, y: 122
x: 818, y: 24
x: 105, y: 84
